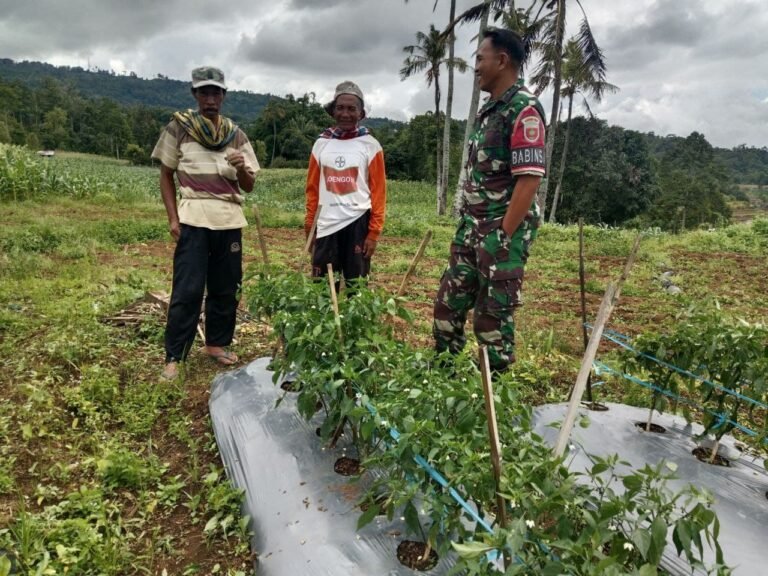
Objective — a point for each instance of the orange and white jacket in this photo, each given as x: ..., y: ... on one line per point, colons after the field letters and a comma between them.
x: 346, y: 177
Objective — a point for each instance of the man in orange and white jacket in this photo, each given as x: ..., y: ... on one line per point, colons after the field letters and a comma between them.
x: 346, y: 182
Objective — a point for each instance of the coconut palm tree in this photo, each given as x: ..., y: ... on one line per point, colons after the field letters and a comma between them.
x: 448, y: 110
x: 580, y: 76
x: 428, y: 55
x: 550, y: 68
x: 443, y: 172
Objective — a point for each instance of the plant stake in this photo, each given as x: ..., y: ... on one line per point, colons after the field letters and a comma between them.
x: 414, y: 262
x: 260, y: 230
x: 582, y: 290
x: 311, y: 237
x: 335, y: 302
x: 493, y: 434
x: 610, y: 298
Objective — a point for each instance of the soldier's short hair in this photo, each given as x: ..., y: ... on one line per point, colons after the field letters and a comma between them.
x: 507, y: 41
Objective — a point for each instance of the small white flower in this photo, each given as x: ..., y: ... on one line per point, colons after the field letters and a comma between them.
x: 628, y: 546
x: 358, y: 395
x: 425, y: 381
x: 474, y: 396
x: 612, y: 528
x: 406, y: 389
x: 382, y: 374
x: 463, y: 379
x: 323, y: 354
x: 383, y: 422
x: 512, y: 504
x: 530, y: 523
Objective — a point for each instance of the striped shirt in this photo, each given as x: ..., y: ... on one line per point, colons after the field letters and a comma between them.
x: 210, y: 195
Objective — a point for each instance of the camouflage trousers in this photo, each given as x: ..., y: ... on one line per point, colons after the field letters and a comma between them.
x: 485, y: 272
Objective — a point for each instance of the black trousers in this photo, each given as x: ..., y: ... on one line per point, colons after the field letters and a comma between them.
x: 204, y: 258
x: 344, y: 250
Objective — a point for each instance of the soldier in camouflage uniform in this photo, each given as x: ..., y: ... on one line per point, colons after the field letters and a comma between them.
x: 500, y: 216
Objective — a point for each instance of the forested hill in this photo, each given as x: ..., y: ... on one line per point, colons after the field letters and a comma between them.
x: 160, y: 92
x: 746, y: 165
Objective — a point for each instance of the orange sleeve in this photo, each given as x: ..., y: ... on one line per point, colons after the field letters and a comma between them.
x: 312, y: 191
x: 377, y: 183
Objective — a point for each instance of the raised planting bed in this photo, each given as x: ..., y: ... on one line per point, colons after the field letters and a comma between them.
x: 303, y: 514
x: 739, y: 488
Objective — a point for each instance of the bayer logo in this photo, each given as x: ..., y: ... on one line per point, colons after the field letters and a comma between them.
x: 340, y: 162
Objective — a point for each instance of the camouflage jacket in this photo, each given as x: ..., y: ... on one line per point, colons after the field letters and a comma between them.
x: 508, y: 140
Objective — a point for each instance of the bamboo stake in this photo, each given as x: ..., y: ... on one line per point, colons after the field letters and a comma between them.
x: 414, y: 262
x: 312, y: 230
x: 493, y: 434
x: 586, y: 367
x: 582, y: 289
x: 260, y: 230
x: 628, y: 265
x: 335, y: 302
x: 310, y: 244
x: 606, y: 307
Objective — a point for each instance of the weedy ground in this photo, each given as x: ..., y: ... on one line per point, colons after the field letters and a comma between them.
x: 106, y: 469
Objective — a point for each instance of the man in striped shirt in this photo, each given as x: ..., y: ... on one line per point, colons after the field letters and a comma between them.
x: 212, y: 160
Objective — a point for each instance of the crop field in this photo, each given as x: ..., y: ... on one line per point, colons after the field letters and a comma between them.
x: 105, y: 469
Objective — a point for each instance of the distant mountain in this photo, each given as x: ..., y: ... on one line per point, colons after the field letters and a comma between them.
x: 160, y: 92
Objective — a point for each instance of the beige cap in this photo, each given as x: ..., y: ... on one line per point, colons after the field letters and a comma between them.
x: 208, y: 76
x: 348, y: 87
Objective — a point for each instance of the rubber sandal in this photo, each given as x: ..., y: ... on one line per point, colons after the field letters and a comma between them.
x: 225, y: 357
x: 171, y: 371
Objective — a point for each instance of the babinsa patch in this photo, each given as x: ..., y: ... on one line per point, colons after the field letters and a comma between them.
x: 531, y: 128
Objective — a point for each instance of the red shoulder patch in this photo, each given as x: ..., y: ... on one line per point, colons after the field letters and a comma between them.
x: 528, y: 131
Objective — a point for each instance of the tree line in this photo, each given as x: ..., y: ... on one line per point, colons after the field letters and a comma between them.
x: 613, y: 175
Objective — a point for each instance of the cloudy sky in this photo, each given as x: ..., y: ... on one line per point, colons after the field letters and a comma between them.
x: 682, y: 65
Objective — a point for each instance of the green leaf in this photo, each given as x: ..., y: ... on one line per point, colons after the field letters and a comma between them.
x: 471, y: 549
x: 366, y: 429
x: 210, y: 526
x: 682, y: 537
x: 414, y: 393
x: 411, y: 516
x: 658, y: 540
x: 391, y: 307
x: 642, y: 541
x: 632, y: 482
x: 5, y: 566
x: 367, y: 516
x: 466, y: 422
x: 647, y: 570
